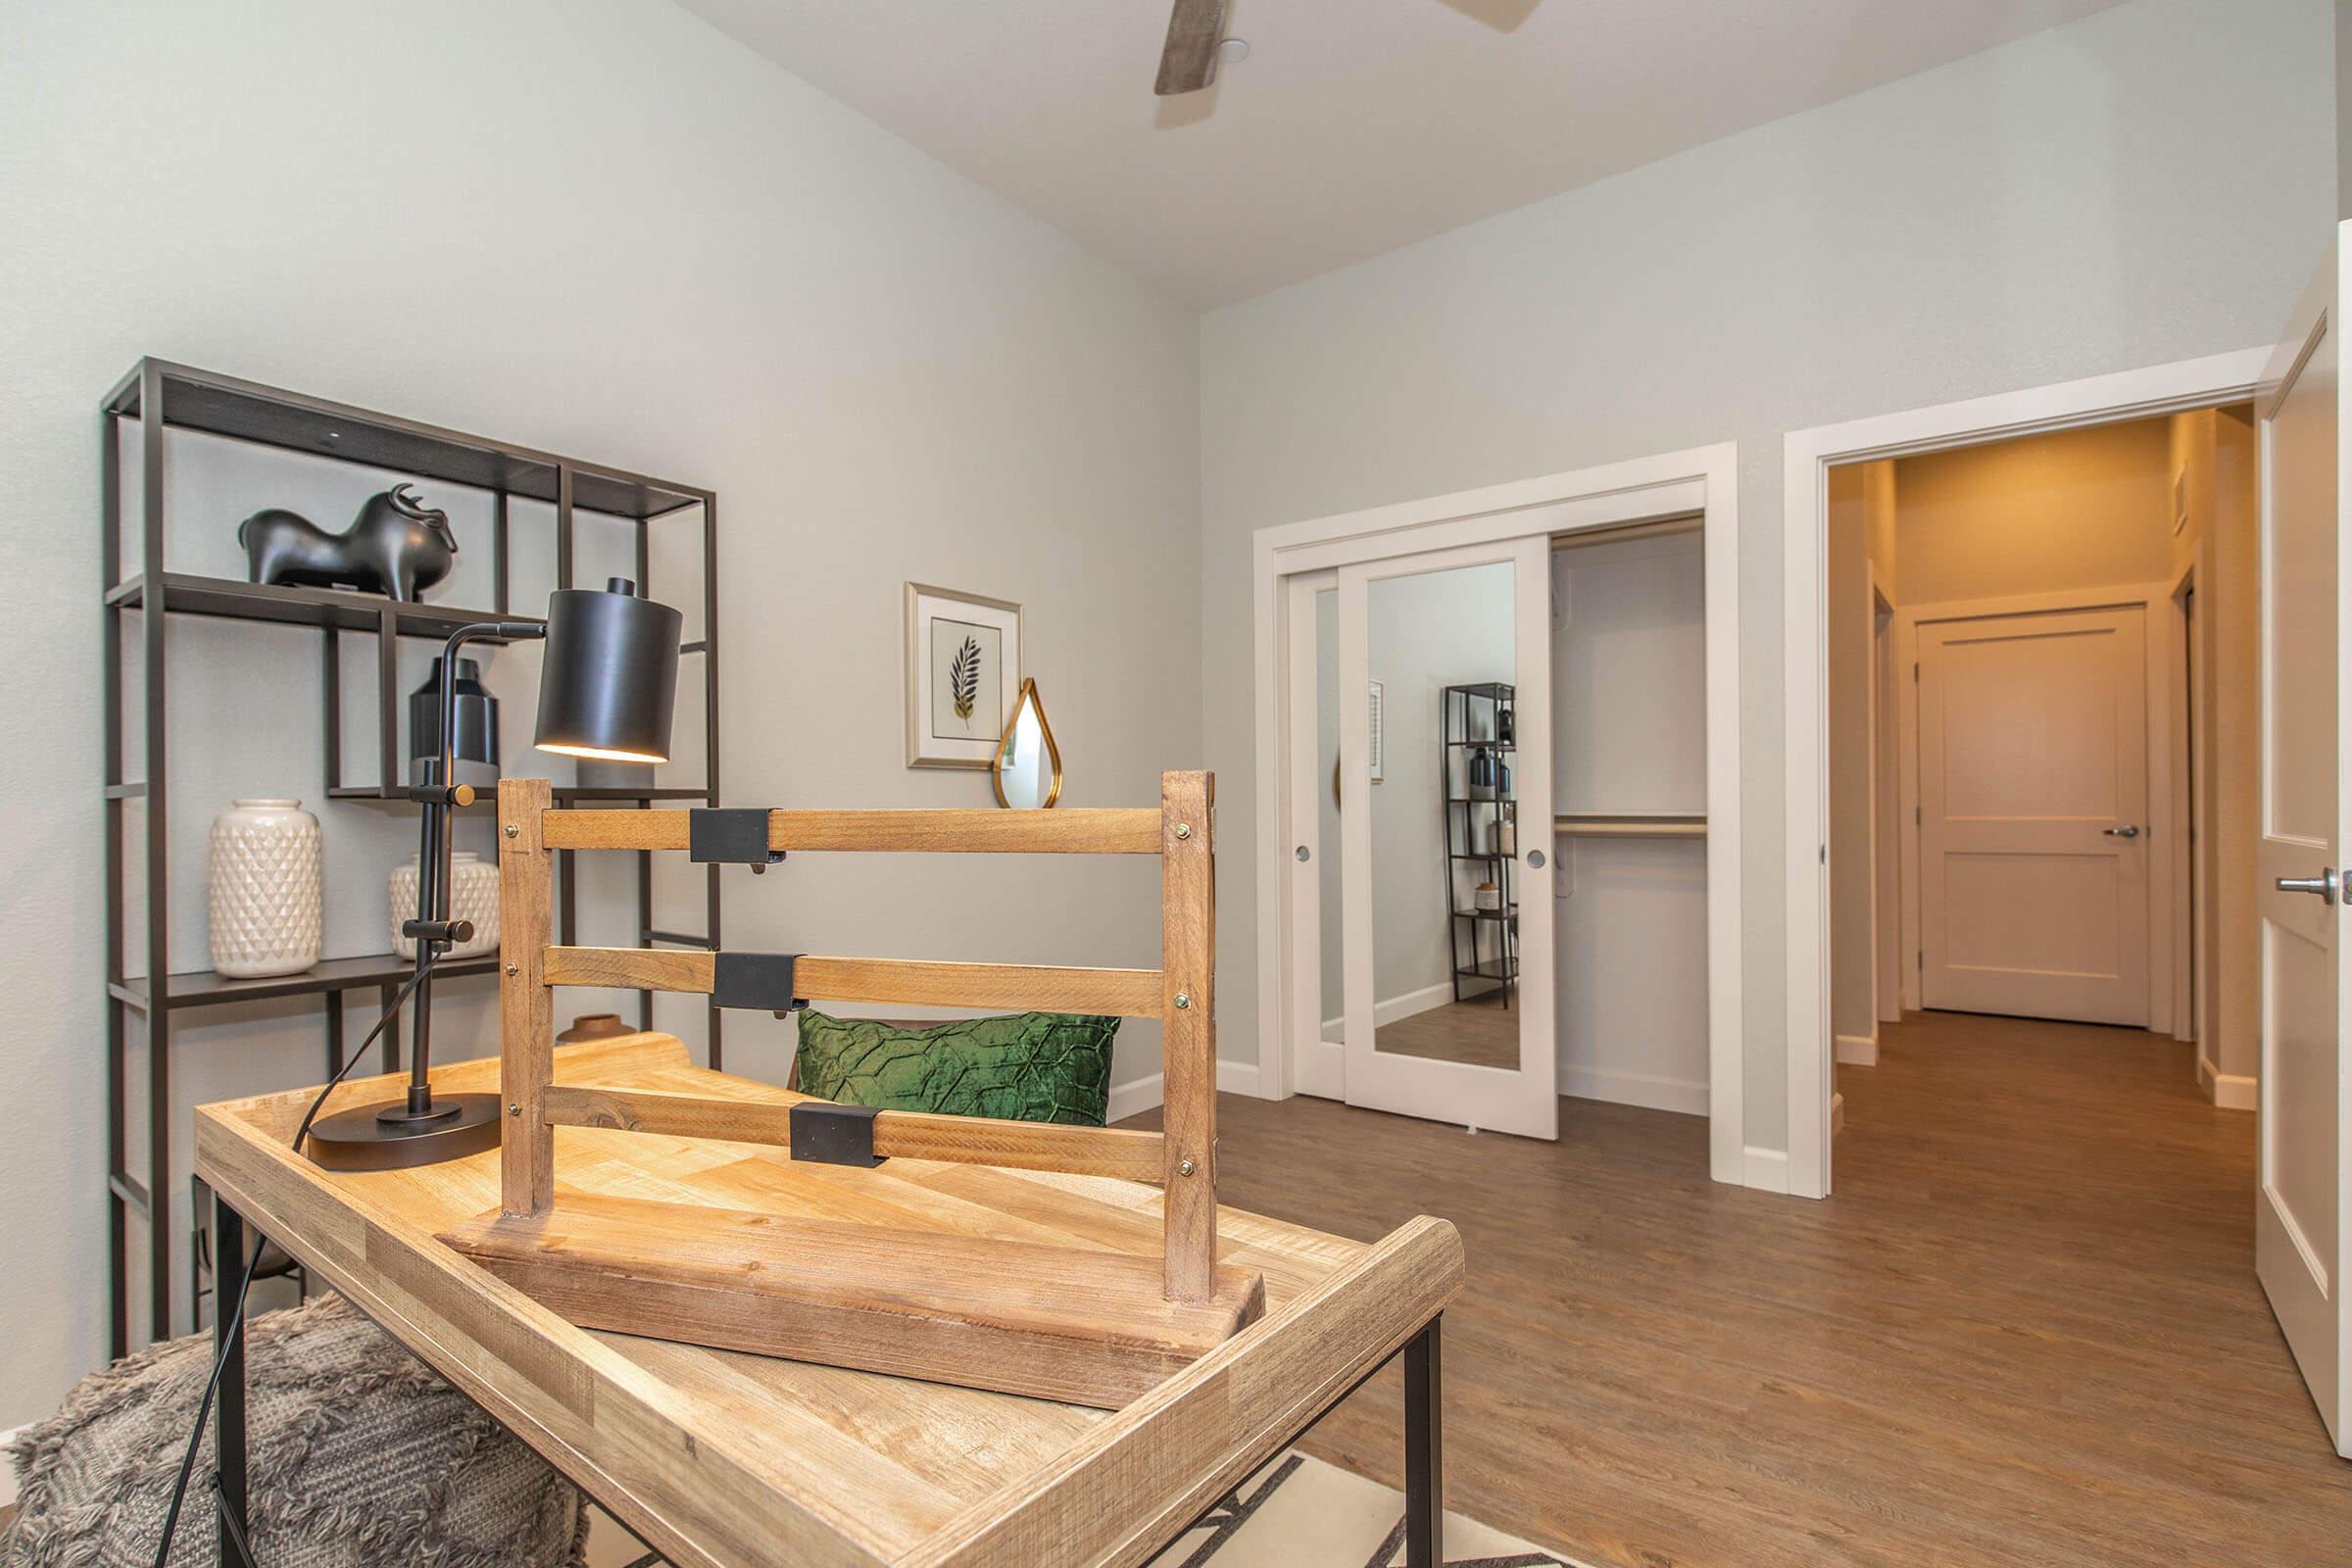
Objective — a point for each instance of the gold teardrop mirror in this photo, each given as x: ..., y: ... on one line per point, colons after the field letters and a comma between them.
x: 1027, y: 768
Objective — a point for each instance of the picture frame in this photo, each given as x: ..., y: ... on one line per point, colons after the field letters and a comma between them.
x: 962, y: 675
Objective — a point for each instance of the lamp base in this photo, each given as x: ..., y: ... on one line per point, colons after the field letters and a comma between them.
x: 361, y: 1138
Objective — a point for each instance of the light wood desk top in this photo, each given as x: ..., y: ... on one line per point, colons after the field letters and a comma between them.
x: 717, y: 1458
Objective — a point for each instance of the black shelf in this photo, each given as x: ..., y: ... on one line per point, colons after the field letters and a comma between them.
x: 299, y: 606
x: 159, y: 396
x: 1458, y: 747
x: 486, y: 798
x: 246, y: 410
x: 205, y: 987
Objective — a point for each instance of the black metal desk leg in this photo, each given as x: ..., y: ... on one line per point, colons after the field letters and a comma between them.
x: 1424, y: 1450
x: 228, y: 1414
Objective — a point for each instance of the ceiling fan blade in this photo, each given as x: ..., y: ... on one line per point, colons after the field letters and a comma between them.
x: 1189, y: 60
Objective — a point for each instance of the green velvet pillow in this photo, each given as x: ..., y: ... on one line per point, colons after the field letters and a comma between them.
x: 1026, y: 1067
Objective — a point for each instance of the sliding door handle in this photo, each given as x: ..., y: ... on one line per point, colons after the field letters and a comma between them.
x: 2129, y: 830
x: 2324, y: 885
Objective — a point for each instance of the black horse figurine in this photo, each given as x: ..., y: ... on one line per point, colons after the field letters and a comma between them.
x: 397, y: 546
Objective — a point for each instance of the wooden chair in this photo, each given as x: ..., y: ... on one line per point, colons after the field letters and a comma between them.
x: 1086, y: 1326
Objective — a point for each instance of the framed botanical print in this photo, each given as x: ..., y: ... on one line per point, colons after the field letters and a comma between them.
x: 963, y: 675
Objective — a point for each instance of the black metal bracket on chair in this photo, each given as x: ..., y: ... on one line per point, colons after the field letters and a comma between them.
x: 762, y: 982
x: 731, y: 835
x: 833, y: 1135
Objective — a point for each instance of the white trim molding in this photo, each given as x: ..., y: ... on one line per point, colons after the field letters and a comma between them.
x: 1649, y: 1090
x: 1858, y: 1051
x: 1807, y: 456
x: 1702, y: 482
x: 2229, y: 1090
x: 1139, y: 1094
x: 7, y: 1473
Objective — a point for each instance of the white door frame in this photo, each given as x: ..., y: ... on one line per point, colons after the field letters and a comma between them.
x: 2163, y: 628
x: 1888, y: 878
x: 1701, y: 481
x: 1807, y: 456
x: 1522, y: 1098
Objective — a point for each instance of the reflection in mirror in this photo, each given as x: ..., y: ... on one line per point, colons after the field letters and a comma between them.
x: 1445, y: 904
x: 1027, y: 770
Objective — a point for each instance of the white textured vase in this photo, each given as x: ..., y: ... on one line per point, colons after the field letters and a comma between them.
x: 473, y: 896
x: 267, y: 913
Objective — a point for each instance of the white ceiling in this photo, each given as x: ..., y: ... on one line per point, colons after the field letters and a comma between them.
x: 1354, y: 125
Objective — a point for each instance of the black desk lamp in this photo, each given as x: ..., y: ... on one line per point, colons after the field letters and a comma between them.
x: 606, y: 690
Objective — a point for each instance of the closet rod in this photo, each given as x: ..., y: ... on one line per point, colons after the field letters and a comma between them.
x: 1636, y: 825
x: 1663, y: 528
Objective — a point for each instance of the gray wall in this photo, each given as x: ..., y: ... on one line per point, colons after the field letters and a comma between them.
x: 602, y: 228
x: 2152, y: 183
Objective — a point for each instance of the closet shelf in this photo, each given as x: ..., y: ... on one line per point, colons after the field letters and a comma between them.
x: 1631, y: 825
x: 1511, y: 913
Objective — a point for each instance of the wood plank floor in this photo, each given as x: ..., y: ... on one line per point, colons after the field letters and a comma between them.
x: 2024, y: 1331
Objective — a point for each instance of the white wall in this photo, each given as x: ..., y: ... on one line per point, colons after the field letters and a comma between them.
x: 601, y: 229
x: 2075, y: 508
x: 1629, y: 735
x: 1862, y: 512
x: 2151, y: 183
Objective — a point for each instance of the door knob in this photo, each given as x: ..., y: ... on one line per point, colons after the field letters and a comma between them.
x: 2129, y: 830
x: 2323, y: 884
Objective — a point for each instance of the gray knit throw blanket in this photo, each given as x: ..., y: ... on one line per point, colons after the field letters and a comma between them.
x: 357, y: 1455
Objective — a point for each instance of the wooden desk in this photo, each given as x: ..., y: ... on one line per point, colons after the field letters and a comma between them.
x: 715, y: 1458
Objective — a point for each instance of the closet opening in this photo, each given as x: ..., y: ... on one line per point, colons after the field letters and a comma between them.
x: 2041, y: 667
x: 1499, y: 791
x: 1549, y: 696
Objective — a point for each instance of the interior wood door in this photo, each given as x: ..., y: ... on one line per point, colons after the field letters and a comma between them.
x: 2301, y: 1207
x: 1448, y: 912
x: 2034, y: 815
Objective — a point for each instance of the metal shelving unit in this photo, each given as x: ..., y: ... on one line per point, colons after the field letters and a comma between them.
x: 1482, y: 945
x: 158, y: 395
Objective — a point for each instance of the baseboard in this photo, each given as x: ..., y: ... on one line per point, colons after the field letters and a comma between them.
x: 1394, y: 1008
x: 1858, y: 1051
x: 2228, y: 1091
x: 8, y: 1472
x: 1634, y: 1088
x: 1765, y: 1169
x: 1134, y: 1097
x: 1837, y: 1115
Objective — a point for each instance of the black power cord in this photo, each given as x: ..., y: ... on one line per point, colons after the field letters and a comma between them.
x: 236, y: 1310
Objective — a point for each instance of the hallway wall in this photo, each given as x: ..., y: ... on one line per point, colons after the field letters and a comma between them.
x: 2152, y: 183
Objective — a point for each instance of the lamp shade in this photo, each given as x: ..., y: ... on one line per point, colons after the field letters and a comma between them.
x: 609, y: 682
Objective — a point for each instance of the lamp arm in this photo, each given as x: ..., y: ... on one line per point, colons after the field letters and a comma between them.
x: 432, y: 930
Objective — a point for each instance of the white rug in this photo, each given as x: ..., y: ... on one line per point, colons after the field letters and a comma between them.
x: 1300, y: 1512
x: 1297, y: 1512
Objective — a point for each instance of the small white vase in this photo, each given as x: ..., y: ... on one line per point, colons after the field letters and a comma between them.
x: 267, y: 913
x: 473, y: 896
